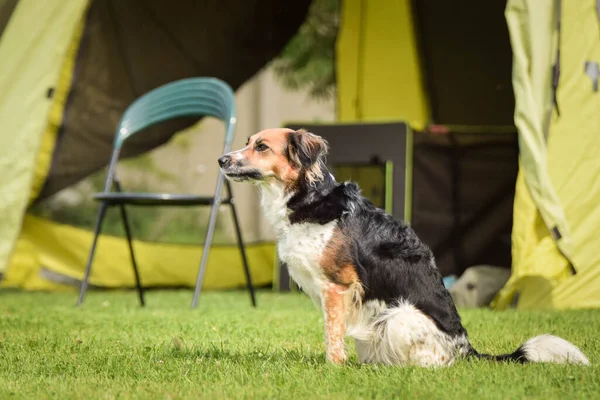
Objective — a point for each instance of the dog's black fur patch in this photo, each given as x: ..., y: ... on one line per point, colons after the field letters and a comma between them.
x: 391, y: 262
x: 518, y: 356
x: 246, y: 174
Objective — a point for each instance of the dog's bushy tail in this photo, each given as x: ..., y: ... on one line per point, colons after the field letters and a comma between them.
x: 541, y: 349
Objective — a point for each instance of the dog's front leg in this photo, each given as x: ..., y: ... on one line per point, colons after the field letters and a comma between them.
x: 334, y: 309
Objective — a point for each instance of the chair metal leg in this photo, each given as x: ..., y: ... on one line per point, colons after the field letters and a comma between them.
x: 240, y: 241
x: 88, y: 267
x: 209, y: 235
x: 127, y: 227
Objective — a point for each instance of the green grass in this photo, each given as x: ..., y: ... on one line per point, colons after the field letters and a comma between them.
x: 111, y: 348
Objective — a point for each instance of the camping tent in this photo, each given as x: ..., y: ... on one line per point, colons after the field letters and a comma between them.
x: 474, y: 66
x: 396, y: 61
x: 68, y: 71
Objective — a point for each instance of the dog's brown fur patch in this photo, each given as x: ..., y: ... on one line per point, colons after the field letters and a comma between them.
x: 338, y: 266
x: 336, y: 260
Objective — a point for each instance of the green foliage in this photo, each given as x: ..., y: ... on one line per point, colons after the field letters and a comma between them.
x: 308, y: 60
x: 111, y: 348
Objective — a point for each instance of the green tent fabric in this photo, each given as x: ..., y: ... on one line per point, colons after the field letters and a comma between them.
x: 556, y: 206
x: 69, y: 69
x: 30, y: 65
x: 534, y: 38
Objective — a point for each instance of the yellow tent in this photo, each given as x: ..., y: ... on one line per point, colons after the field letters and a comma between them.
x: 558, y: 192
x: 396, y: 62
x: 69, y: 69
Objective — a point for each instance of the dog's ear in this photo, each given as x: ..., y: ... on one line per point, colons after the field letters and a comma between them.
x: 305, y: 149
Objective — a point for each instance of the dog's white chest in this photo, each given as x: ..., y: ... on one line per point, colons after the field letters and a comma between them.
x: 300, y: 245
x: 301, y: 248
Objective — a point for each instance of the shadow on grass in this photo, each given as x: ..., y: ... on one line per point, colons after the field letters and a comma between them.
x: 221, y: 350
x: 252, y: 355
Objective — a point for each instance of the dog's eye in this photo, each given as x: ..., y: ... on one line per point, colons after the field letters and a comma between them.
x: 261, y: 147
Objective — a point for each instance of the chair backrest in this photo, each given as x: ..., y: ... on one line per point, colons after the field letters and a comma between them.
x: 188, y: 97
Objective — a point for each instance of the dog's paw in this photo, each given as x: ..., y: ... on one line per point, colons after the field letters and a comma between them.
x: 336, y: 359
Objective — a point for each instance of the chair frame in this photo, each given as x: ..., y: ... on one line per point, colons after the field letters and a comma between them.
x: 199, y: 97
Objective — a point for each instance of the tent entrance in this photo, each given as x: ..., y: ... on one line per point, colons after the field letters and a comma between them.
x: 466, y: 58
x: 463, y: 194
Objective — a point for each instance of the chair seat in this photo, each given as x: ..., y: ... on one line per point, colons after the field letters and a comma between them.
x: 154, y: 199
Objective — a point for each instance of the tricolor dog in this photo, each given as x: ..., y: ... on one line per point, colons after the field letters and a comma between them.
x: 373, y: 278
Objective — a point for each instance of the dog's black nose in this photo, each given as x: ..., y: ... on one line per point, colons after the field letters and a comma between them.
x: 224, y: 161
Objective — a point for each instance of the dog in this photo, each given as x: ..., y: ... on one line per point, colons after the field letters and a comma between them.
x: 373, y: 278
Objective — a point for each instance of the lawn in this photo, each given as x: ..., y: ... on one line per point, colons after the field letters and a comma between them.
x: 111, y: 348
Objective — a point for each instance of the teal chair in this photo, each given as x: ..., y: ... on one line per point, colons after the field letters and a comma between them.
x: 186, y: 97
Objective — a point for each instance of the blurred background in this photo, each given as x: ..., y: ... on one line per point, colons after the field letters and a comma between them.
x: 476, y: 122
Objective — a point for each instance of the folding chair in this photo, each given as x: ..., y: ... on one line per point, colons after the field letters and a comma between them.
x: 186, y: 97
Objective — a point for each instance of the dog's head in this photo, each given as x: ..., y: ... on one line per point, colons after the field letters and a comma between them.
x: 278, y: 155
